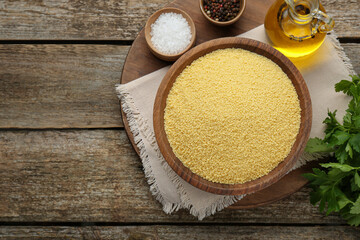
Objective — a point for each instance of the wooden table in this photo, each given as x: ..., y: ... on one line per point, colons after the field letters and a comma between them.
x: 67, y: 168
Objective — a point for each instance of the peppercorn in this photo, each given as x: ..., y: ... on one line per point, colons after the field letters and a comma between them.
x: 222, y: 10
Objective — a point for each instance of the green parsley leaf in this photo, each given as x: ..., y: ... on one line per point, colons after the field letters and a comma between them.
x: 317, y: 145
x: 353, y: 186
x: 343, y: 86
x: 355, y: 142
x: 355, y: 78
x: 355, y: 209
x: 341, y: 154
x: 343, y: 201
x: 356, y: 121
x: 332, y: 202
x: 353, y: 91
x: 315, y: 197
x: 353, y: 109
x: 352, y: 219
x: 341, y: 137
x: 318, y: 177
x: 349, y: 150
x: 357, y: 179
x: 347, y: 120
x: 341, y: 167
x: 331, y: 122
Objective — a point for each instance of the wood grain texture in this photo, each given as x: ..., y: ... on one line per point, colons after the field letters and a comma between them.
x: 116, y: 20
x: 60, y: 86
x: 352, y: 50
x: 346, y: 14
x: 182, y: 232
x: 75, y: 19
x: 95, y: 176
x: 252, y: 186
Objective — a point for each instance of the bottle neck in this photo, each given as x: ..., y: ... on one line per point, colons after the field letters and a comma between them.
x: 302, y: 11
x: 300, y: 19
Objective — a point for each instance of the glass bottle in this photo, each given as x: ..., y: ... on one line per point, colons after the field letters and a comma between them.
x: 297, y: 27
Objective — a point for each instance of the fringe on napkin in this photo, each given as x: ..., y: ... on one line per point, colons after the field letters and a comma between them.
x: 340, y: 51
x: 136, y: 122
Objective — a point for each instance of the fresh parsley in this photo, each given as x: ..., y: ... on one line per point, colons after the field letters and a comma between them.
x: 337, y: 187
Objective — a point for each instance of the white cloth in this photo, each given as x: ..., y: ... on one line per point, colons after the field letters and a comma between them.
x: 321, y: 71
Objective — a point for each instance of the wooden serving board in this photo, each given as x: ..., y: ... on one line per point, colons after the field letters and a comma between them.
x: 140, y: 61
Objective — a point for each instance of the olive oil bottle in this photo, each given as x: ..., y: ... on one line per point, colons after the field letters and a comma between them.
x: 297, y: 27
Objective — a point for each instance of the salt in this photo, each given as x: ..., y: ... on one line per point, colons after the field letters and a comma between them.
x: 170, y: 33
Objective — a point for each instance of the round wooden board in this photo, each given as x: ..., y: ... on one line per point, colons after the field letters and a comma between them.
x: 140, y: 61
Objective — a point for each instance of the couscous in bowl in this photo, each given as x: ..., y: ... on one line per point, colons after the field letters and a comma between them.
x: 197, y: 162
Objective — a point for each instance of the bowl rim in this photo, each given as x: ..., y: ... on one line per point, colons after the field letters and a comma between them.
x: 301, y: 139
x: 153, y: 18
x: 218, y: 23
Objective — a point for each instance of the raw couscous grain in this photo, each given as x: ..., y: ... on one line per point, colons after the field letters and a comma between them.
x: 232, y: 116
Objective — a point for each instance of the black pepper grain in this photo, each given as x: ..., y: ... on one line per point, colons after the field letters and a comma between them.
x: 222, y: 10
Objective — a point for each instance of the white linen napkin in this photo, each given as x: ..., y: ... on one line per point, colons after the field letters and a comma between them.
x: 321, y: 71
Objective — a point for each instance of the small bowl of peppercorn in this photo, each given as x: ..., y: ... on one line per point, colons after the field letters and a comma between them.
x: 222, y: 12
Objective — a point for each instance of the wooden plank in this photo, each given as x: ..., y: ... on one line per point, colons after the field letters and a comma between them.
x: 75, y: 19
x: 346, y: 14
x: 181, y: 232
x: 115, y: 20
x: 95, y: 176
x: 352, y: 51
x: 69, y: 86
x: 60, y: 86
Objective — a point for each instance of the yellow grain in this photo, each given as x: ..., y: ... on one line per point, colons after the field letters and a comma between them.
x: 232, y: 116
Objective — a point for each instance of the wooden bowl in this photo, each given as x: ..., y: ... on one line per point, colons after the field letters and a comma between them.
x: 305, y: 124
x: 218, y: 23
x: 152, y: 19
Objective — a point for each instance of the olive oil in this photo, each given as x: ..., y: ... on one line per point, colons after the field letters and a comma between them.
x: 292, y: 29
